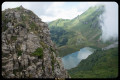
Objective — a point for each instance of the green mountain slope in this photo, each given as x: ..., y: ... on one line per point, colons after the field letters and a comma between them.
x: 59, y: 22
x: 83, y: 30
x: 100, y: 64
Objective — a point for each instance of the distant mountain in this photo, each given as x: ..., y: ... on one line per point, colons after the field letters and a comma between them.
x: 58, y: 23
x: 83, y: 30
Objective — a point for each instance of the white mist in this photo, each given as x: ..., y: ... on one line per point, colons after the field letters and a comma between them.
x: 110, y: 21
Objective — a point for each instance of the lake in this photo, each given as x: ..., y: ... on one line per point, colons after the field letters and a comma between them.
x: 73, y: 59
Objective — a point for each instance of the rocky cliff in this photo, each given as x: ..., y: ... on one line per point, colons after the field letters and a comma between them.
x: 27, y: 49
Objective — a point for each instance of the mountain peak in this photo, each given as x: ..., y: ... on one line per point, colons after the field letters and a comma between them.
x: 27, y: 49
x: 21, y: 6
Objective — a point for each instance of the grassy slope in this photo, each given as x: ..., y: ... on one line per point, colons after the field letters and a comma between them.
x: 58, y: 23
x: 98, y: 65
x: 83, y: 30
x: 101, y: 64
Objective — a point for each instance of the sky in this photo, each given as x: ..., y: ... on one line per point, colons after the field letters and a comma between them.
x: 49, y: 11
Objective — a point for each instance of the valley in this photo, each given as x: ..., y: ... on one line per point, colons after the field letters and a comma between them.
x: 72, y: 35
x: 81, y: 31
x: 59, y: 40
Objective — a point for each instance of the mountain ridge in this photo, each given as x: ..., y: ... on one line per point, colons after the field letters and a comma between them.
x: 83, y: 30
x: 27, y: 49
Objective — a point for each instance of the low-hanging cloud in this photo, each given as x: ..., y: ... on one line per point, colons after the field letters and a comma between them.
x: 109, y: 21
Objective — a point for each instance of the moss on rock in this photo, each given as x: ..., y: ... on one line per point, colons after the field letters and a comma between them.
x: 38, y: 52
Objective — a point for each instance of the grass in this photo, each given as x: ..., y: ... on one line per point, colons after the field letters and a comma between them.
x: 5, y: 21
x: 33, y: 26
x: 43, y: 67
x: 19, y: 52
x: 67, y: 49
x: 43, y: 45
x: 22, y: 24
x: 18, y: 8
x: 52, y: 49
x: 71, y: 35
x: 24, y: 17
x: 38, y: 52
x: 4, y: 28
x: 100, y: 64
x: 52, y: 62
x: 13, y: 38
x: 58, y: 22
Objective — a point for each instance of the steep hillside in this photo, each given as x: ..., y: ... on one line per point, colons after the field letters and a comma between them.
x: 100, y: 64
x: 27, y: 49
x: 83, y: 30
x: 59, y: 22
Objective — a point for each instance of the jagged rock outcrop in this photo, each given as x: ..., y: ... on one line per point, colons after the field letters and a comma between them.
x: 27, y: 49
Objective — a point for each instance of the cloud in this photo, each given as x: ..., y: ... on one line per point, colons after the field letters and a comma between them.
x: 110, y: 21
x: 84, y: 53
x: 48, y: 11
x: 56, y: 10
x: 39, y: 8
x: 6, y: 5
x: 61, y: 13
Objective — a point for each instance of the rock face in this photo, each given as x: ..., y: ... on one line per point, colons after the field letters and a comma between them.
x: 27, y: 49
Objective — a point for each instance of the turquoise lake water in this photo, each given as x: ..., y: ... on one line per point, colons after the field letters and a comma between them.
x: 73, y: 59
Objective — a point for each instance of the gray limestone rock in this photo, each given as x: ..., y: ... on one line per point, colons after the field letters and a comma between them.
x: 19, y: 42
x: 9, y: 24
